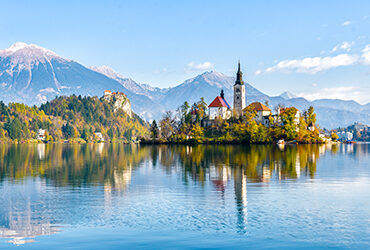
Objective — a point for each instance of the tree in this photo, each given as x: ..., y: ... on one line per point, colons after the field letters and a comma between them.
x: 67, y: 130
x: 197, y: 133
x: 14, y: 128
x: 334, y: 136
x: 154, y: 131
x: 167, y: 125
x: 288, y: 118
x: 48, y: 137
x: 249, y: 114
x: 202, y: 108
x: 2, y: 134
x: 311, y: 116
x: 110, y: 133
x: 85, y: 134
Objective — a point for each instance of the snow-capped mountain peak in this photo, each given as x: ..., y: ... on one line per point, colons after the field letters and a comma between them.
x: 28, y: 51
x: 108, y: 71
x: 212, y: 78
x: 287, y: 95
x: 16, y: 46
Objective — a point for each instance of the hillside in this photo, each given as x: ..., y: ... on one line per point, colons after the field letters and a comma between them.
x: 70, y: 118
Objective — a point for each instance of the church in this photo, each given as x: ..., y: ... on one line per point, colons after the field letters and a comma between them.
x: 219, y: 107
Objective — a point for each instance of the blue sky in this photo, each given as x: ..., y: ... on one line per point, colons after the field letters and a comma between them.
x: 315, y: 49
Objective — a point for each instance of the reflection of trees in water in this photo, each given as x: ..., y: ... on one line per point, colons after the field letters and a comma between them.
x: 260, y: 162
x: 111, y: 164
x: 72, y: 165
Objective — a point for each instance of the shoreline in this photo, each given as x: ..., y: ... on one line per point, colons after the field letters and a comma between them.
x: 230, y: 143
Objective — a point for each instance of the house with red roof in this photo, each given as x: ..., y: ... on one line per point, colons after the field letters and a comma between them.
x: 219, y: 107
x: 262, y: 112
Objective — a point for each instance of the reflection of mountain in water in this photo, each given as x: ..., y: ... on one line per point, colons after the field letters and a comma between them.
x: 72, y: 165
x: 19, y: 222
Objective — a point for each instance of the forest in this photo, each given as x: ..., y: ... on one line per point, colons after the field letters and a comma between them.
x: 73, y: 118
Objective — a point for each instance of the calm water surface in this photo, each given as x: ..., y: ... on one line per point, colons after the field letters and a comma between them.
x: 105, y: 196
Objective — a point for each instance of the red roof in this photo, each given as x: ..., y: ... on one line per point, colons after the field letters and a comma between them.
x: 218, y: 102
x: 259, y: 106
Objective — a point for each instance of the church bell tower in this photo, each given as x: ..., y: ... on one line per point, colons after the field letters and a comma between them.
x: 239, y: 92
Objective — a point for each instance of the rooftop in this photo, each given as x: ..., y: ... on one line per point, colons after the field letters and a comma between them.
x: 219, y: 102
x: 259, y: 106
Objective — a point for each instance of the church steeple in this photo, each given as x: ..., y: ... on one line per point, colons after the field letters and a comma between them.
x: 239, y: 76
x: 239, y: 92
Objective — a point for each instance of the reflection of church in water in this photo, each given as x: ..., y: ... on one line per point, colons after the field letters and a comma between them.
x: 220, y: 177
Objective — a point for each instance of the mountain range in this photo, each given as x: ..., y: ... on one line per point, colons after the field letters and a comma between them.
x: 31, y: 74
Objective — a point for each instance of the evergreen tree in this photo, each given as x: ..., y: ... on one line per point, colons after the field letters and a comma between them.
x: 14, y: 128
x: 154, y: 131
x: 67, y: 130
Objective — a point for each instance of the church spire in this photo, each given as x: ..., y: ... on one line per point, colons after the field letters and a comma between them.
x: 239, y: 76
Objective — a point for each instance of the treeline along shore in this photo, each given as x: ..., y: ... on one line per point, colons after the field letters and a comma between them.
x: 92, y: 119
x: 190, y: 125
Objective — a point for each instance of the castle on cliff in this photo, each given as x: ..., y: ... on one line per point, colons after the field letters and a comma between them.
x: 120, y: 101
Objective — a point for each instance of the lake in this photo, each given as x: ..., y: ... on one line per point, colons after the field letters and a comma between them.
x: 115, y: 196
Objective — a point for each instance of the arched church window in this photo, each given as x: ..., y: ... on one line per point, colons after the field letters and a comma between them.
x: 237, y: 90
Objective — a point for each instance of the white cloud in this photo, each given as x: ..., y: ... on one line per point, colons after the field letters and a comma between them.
x: 41, y: 98
x: 343, y: 46
x: 312, y: 65
x: 258, y: 72
x: 346, y: 23
x: 366, y: 54
x: 48, y: 90
x: 192, y: 66
x: 314, y: 84
x: 360, y: 95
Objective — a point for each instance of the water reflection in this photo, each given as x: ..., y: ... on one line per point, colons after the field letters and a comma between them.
x: 30, y: 170
x: 20, y: 221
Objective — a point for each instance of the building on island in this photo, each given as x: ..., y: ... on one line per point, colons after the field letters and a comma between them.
x: 345, y: 136
x: 41, y: 134
x: 219, y: 108
x: 262, y: 112
x: 99, y: 136
x: 239, y: 92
